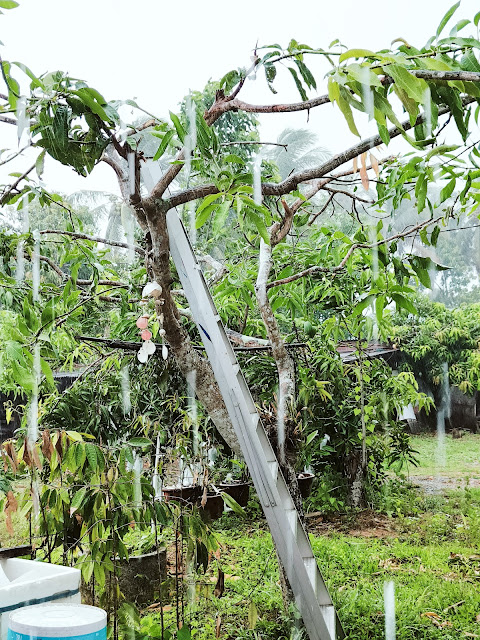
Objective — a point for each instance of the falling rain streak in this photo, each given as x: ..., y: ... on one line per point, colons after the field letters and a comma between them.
x: 191, y: 137
x: 389, y: 604
x: 443, y: 414
x: 125, y: 389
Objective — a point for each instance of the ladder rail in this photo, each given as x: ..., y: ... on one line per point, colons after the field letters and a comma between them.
x: 291, y: 540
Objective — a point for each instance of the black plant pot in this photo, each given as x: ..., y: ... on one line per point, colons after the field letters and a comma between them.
x: 305, y: 481
x: 189, y: 495
x: 213, y: 509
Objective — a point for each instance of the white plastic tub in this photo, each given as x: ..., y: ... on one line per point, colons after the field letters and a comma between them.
x: 58, y: 622
x: 27, y: 582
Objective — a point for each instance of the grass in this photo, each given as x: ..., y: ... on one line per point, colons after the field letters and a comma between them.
x: 462, y: 456
x: 430, y: 551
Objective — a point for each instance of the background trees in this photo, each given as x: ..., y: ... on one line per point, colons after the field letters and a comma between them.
x: 280, y: 269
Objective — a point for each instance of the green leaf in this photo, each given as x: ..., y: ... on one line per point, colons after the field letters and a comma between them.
x: 363, y: 304
x: 47, y: 372
x: 403, y: 303
x: 220, y: 216
x: 476, y: 19
x: 447, y: 191
x: 260, y: 225
x: 184, y: 633
x: 414, y: 87
x: 181, y: 133
x: 99, y: 573
x: 8, y: 4
x: 204, y: 215
x: 91, y: 453
x: 232, y: 504
x: 442, y: 148
x: 140, y: 442
x: 447, y: 17
x: 311, y: 437
x: 40, y: 163
x: 299, y: 84
x: 347, y: 111
x: 357, y: 53
x: 163, y: 145
x: 207, y: 201
x: 379, y: 307
x: 77, y: 500
x: 421, y: 192
x: 306, y: 74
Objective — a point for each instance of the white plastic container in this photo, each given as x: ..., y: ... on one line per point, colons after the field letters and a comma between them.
x: 58, y: 621
x: 27, y: 582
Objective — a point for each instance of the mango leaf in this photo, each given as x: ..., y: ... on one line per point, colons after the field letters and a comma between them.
x: 47, y: 372
x: 357, y: 53
x: 299, y: 84
x: 421, y: 192
x: 447, y: 17
x: 163, y: 145
x: 232, y: 504
x: 204, y: 215
x: 181, y: 133
x: 414, y: 87
x: 403, y: 303
x: 77, y: 500
x: 260, y: 225
x: 347, y: 111
x: 140, y: 442
x: 220, y: 216
x: 442, y: 148
x: 363, y: 304
x: 447, y: 191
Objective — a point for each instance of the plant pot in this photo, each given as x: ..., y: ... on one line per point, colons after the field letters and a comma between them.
x: 213, y: 509
x: 305, y: 481
x: 138, y: 579
x: 188, y: 495
x: 239, y: 491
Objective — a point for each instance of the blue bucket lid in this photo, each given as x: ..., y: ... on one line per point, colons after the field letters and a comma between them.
x: 57, y: 620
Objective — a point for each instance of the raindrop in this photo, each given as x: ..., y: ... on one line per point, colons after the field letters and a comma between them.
x: 125, y: 387
x: 192, y: 407
x: 137, y: 486
x: 367, y: 93
x: 131, y: 173
x: 427, y: 106
x: 257, y: 179
x: 36, y: 266
x: 23, y: 122
x: 191, y: 137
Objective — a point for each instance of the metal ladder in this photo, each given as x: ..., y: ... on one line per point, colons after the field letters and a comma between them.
x: 291, y: 540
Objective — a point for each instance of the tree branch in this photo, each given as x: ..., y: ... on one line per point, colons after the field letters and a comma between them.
x: 84, y: 236
x: 351, y: 250
x: 291, y: 183
x: 6, y: 194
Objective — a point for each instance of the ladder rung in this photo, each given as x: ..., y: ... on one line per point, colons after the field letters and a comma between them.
x: 312, y: 570
x: 292, y: 518
x: 330, y: 618
x: 273, y: 468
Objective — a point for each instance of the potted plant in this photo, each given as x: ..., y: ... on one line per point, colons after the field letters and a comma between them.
x: 235, y: 483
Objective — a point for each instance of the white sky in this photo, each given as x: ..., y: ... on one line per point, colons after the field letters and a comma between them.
x: 156, y: 51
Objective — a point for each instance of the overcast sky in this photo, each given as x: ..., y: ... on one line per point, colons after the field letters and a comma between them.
x: 155, y: 51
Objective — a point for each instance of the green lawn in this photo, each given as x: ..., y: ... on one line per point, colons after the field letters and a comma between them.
x: 462, y: 456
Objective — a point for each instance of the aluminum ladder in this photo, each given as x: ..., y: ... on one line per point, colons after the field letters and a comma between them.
x: 291, y: 540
